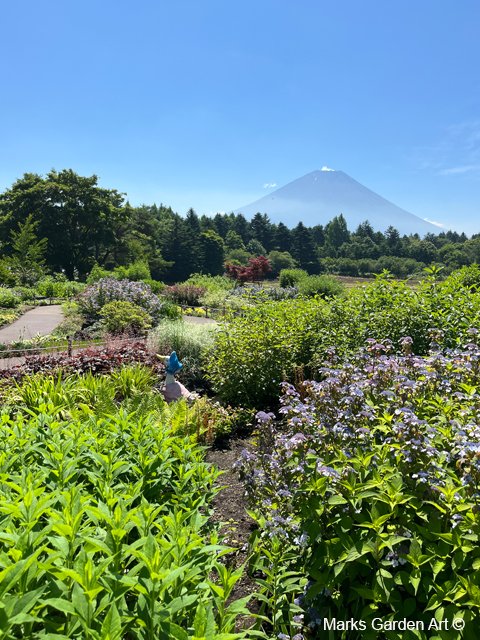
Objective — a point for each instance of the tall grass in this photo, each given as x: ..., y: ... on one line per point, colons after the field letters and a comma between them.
x: 190, y: 341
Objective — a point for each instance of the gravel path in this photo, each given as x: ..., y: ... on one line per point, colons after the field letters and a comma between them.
x: 41, y: 320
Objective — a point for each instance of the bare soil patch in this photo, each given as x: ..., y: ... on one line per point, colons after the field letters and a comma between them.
x: 230, y: 510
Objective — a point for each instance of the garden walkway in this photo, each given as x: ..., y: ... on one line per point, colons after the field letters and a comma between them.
x: 38, y: 321
x: 199, y: 320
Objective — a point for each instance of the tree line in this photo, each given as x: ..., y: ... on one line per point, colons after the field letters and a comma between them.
x: 64, y: 222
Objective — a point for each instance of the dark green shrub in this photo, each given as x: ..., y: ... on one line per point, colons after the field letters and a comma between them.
x: 7, y: 275
x: 291, y: 277
x: 238, y: 256
x: 366, y: 266
x: 325, y: 286
x: 400, y: 267
x: 328, y: 265
x: 347, y: 267
x: 253, y: 353
x: 281, y: 260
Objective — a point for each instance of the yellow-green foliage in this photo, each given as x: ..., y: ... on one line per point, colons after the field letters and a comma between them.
x: 121, y: 316
x: 7, y: 316
x: 9, y: 299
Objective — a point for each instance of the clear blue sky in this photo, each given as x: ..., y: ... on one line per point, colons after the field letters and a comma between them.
x: 204, y: 102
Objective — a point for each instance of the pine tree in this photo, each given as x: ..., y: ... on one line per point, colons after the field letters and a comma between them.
x: 177, y: 248
x: 282, y: 240
x: 212, y: 253
x: 234, y: 241
x: 261, y: 230
x: 28, y: 252
x: 392, y: 238
x: 303, y: 249
x: 241, y: 226
x: 336, y: 233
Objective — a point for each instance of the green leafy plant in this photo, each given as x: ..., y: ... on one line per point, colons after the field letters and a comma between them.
x: 291, y: 277
x: 105, y: 527
x: 254, y: 352
x: 121, y: 316
x: 325, y: 286
x: 273, y: 341
x: 9, y: 298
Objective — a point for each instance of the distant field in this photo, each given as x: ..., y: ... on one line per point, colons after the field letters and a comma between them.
x: 353, y: 281
x: 348, y: 281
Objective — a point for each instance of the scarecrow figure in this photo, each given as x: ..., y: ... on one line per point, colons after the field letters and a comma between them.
x: 173, y: 389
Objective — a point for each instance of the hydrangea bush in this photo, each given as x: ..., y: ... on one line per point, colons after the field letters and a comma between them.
x: 372, y: 478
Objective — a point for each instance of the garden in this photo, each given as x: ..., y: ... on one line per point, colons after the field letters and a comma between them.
x: 326, y: 469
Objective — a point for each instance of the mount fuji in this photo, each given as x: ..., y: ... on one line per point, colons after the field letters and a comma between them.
x: 320, y: 195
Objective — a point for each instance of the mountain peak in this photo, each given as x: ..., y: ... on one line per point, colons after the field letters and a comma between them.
x: 318, y: 196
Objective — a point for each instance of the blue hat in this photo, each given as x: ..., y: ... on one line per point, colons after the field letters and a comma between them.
x: 174, y: 364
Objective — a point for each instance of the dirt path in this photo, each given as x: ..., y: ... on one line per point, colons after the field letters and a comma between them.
x: 230, y: 510
x: 41, y: 320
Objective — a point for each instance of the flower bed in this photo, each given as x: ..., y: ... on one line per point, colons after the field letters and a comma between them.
x: 372, y: 484
x: 97, y: 295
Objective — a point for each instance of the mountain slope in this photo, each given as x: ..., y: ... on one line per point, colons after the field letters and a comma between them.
x: 320, y: 195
